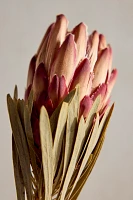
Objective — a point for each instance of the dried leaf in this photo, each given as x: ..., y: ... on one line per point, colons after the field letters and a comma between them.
x: 86, y: 142
x: 92, y: 113
x: 21, y: 144
x: 41, y: 191
x: 89, y: 124
x: 57, y: 181
x: 87, y: 171
x: 54, y: 116
x: 70, y: 96
x: 30, y: 101
x: 59, y: 134
x: 47, y: 151
x: 30, y: 140
x: 89, y: 150
x: 74, y: 177
x: 92, y: 162
x: 15, y: 93
x: 74, y: 158
x: 73, y: 111
x: 20, y: 108
x: 18, y: 173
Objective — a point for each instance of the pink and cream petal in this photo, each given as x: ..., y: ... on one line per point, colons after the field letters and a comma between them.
x: 92, y: 48
x: 102, y: 43
x: 40, y: 82
x: 63, y: 90
x: 85, y: 106
x: 111, y: 84
x: 56, y: 39
x: 42, y: 51
x: 53, y: 90
x: 89, y: 86
x: 100, y: 90
x: 27, y: 92
x: 110, y: 59
x: 64, y: 64
x: 80, y: 33
x: 101, y: 68
x: 31, y: 71
x: 44, y: 38
x: 81, y: 77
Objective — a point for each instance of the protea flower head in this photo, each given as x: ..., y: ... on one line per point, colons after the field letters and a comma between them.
x: 59, y: 128
x: 64, y: 60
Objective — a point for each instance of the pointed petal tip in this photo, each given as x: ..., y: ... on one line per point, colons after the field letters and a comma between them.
x: 95, y: 33
x: 40, y: 82
x: 86, y: 61
x: 95, y: 38
x: 62, y: 17
x: 115, y: 71
x: 102, y: 38
x: 109, y: 49
x: 63, y: 90
x: 102, y: 42
x: 69, y: 38
x: 100, y: 90
x: 106, y: 54
x: 113, y: 75
x: 82, y: 25
x: 31, y: 70
x: 53, y: 90
x: 105, y: 51
x: 80, y: 37
x: 85, y: 106
x: 111, y: 84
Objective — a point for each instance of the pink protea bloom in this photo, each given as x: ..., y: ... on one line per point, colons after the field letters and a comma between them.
x: 65, y: 59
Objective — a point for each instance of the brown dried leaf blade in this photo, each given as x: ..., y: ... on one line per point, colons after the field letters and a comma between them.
x: 21, y: 144
x: 47, y: 151
x: 94, y: 156
x: 18, y: 173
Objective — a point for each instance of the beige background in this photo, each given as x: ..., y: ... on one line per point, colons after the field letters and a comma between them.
x: 22, y: 25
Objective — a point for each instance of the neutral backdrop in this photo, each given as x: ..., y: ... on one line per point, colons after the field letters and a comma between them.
x: 22, y: 25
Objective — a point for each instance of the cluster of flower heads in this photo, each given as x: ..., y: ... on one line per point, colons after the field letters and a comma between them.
x: 65, y: 59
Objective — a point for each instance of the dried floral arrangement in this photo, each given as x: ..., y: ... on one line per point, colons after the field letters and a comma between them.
x: 58, y: 129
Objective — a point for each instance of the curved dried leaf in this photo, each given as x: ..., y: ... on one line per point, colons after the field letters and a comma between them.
x: 20, y: 107
x: 88, y: 152
x: 73, y: 111
x: 54, y: 116
x: 47, y: 151
x: 18, y: 173
x: 94, y: 156
x: 15, y: 96
x: 89, y: 124
x: 30, y: 101
x: 92, y: 113
x: 30, y: 140
x: 57, y: 181
x: 59, y: 134
x: 21, y: 144
x: 74, y: 158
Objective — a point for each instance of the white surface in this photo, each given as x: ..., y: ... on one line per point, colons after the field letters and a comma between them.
x: 22, y: 25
